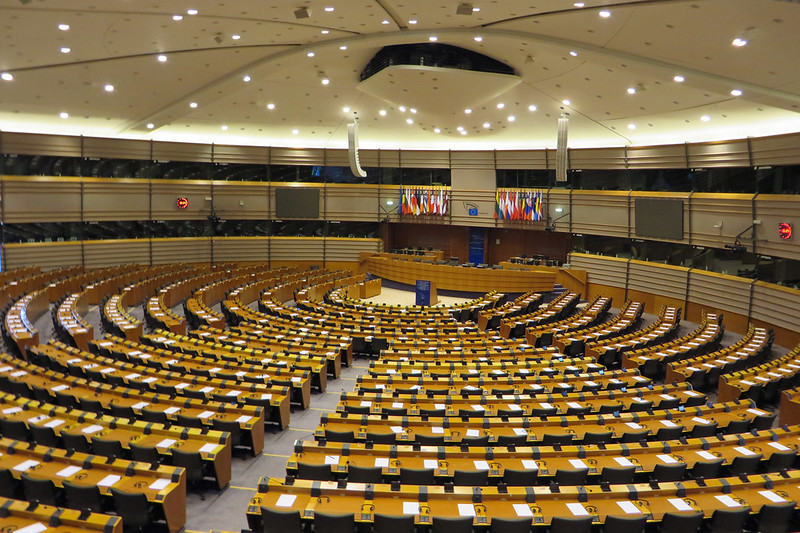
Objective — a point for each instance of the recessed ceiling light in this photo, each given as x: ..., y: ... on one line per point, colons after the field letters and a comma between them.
x: 413, y: 110
x: 402, y: 108
x: 193, y: 105
x: 409, y: 121
x: 478, y: 38
x: 532, y: 107
x: 224, y: 128
x: 464, y: 132
x: 150, y: 125
x: 191, y: 12
x: 460, y: 128
x: 162, y: 58
x: 66, y: 49
x: 705, y: 118
x: 739, y: 42
x: 6, y: 76
x: 566, y: 102
x: 311, y: 54
x: 579, y: 4
x: 573, y: 53
x: 605, y: 14
x: 236, y: 36
x: 511, y: 118
x: 433, y: 38
x: 382, y: 112
x: 468, y: 111
x: 412, y: 21
x: 476, y: 10
x: 325, y: 32
x: 384, y: 22
x: 631, y: 90
x: 177, y: 17
x: 501, y: 105
x: 324, y: 81
x: 329, y: 9
x: 63, y: 27
x: 295, y: 131
x: 487, y: 125
x: 109, y: 88
x: 270, y: 106
x: 736, y: 92
x: 631, y: 126
x: 679, y: 78
x: 63, y: 114
x: 246, y: 77
x: 437, y: 130
x: 346, y: 109
x: 343, y: 47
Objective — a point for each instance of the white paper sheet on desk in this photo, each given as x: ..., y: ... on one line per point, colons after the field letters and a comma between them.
x: 778, y: 446
x: 623, y: 461
x: 53, y: 423
x: 481, y: 465
x: 629, y: 508
x: 410, y: 507
x: 577, y: 509
x: 331, y: 459
x: 181, y: 385
x: 514, y: 407
x: 430, y: 463
x: 152, y: 379
x: 396, y: 429
x: 208, y: 447
x: 633, y: 425
x: 205, y: 390
x: 668, y: 423
x: 68, y: 471
x: 771, y: 496
x: 244, y: 419
x: 439, y: 406
x: 172, y: 410
x: 398, y: 405
x: 159, y: 484
x: 286, y: 500
x: 166, y: 443
x: 522, y: 509
x: 232, y: 393
x: 140, y: 405
x: 520, y: 431
x: 59, y: 388
x: 366, y: 403
x: 437, y: 429
x: 706, y: 455
x: 476, y: 407
x: 108, y: 481
x: 668, y: 459
x: 578, y: 463
x: 26, y: 465
x: 38, y: 418
x: 466, y: 509
x: 473, y: 433
x: 94, y: 428
x: 727, y: 500
x: 38, y: 527
x: 744, y: 451
x: 382, y: 461
x: 679, y: 504
x: 206, y: 414
x: 530, y: 464
x: 12, y: 410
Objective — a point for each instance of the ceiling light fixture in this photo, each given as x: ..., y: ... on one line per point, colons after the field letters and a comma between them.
x: 224, y: 128
x: 679, y: 78
x: 191, y: 12
x: 478, y: 38
x: 631, y: 90
x: 382, y: 112
x: 437, y: 130
x: 150, y: 125
x: 739, y: 42
x: 532, y: 107
x: 579, y: 4
x: 409, y: 121
x: 476, y: 10
x: 325, y: 32
x: 566, y: 102
x: 193, y: 105
x: 631, y: 126
x: 329, y: 9
x: 736, y: 92
x: 343, y: 47
x: 246, y: 78
x: 487, y: 125
x: 511, y: 118
x: 162, y: 58
x: 270, y: 106
x: 109, y: 88
x: 413, y: 110
x: 468, y: 111
x: 311, y: 54
x: 573, y: 53
x: 346, y: 109
x: 323, y: 78
x: 177, y: 17
x: 66, y: 49
x: 705, y: 118
x: 605, y: 14
x: 63, y: 114
x: 433, y: 38
x: 501, y: 105
x: 63, y: 27
x: 295, y: 131
x: 460, y: 128
x: 384, y: 22
x: 464, y: 132
x: 236, y: 36
x: 7, y: 76
x: 412, y: 21
x: 402, y: 108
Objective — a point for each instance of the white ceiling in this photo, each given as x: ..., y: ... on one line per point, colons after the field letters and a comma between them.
x: 642, y: 44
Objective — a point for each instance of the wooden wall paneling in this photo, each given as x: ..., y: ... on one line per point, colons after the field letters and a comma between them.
x: 663, y: 156
x: 721, y: 294
x: 250, y: 155
x: 241, y: 249
x: 452, y: 240
x: 352, y: 202
x: 48, y: 255
x: 297, y: 156
x: 773, y: 209
x: 521, y: 159
x: 239, y: 200
x: 167, y: 192
x: 174, y: 151
x: 337, y: 157
x: 339, y: 249
x: 505, y: 243
x: 39, y: 144
x: 181, y: 250
x: 597, y: 158
x: 687, y: 208
x: 719, y: 154
x: 115, y: 199
x: 41, y: 199
x: 99, y: 254
x: 734, y: 211
x: 606, y: 276
x: 116, y: 148
x: 472, y: 159
x: 425, y: 158
x: 657, y: 285
x: 778, y: 306
x: 298, y: 249
x: 462, y: 200
x: 776, y: 150
x: 600, y: 212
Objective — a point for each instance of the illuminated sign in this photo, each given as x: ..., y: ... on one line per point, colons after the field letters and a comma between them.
x: 182, y: 202
x: 785, y: 230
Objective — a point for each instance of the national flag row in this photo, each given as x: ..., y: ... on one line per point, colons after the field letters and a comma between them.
x: 424, y: 201
x: 519, y: 204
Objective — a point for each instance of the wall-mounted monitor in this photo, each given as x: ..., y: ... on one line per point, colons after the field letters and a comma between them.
x: 296, y: 202
x: 659, y: 217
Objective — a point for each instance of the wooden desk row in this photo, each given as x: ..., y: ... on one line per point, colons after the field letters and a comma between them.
x: 213, y: 446
x: 140, y: 377
x: 768, y: 378
x: 627, y: 319
x: 589, y: 316
x: 529, y: 430
x: 37, y: 383
x: 17, y: 515
x: 538, y: 504
x: 522, y: 368
x: 407, y: 363
x: 164, y: 486
x: 544, y: 461
x: 559, y: 308
x: 522, y: 305
x: 609, y: 351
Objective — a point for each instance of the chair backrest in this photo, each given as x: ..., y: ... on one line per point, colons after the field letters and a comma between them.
x: 132, y: 507
x: 456, y: 524
x: 159, y: 417
x: 232, y: 427
x: 83, y: 497
x: 707, y: 469
x: 381, y: 438
x: 40, y: 490
x: 571, y: 476
x: 14, y: 429
x: 192, y: 462
x: 621, y: 474
x: 107, y: 448
x: 75, y: 443
x: 393, y: 524
x: 625, y: 524
x: 333, y: 523
x: 280, y: 521
x: 417, y: 476
x: 88, y: 404
x: 471, y: 478
x: 45, y: 436
x: 510, y: 525
x: 189, y: 421
x: 775, y: 517
x: 728, y: 520
x: 557, y: 439
x: 781, y: 460
x: 145, y: 454
x: 745, y: 464
x: 570, y: 524
x: 364, y: 474
x: 516, y: 477
x: 318, y: 472
x: 601, y: 437
x: 674, y: 472
x: 339, y: 436
x: 681, y: 522
x: 9, y: 486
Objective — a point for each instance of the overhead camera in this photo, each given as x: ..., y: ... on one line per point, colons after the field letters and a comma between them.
x: 736, y: 247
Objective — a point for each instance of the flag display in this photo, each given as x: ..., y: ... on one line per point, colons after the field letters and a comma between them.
x: 424, y: 200
x: 519, y: 204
